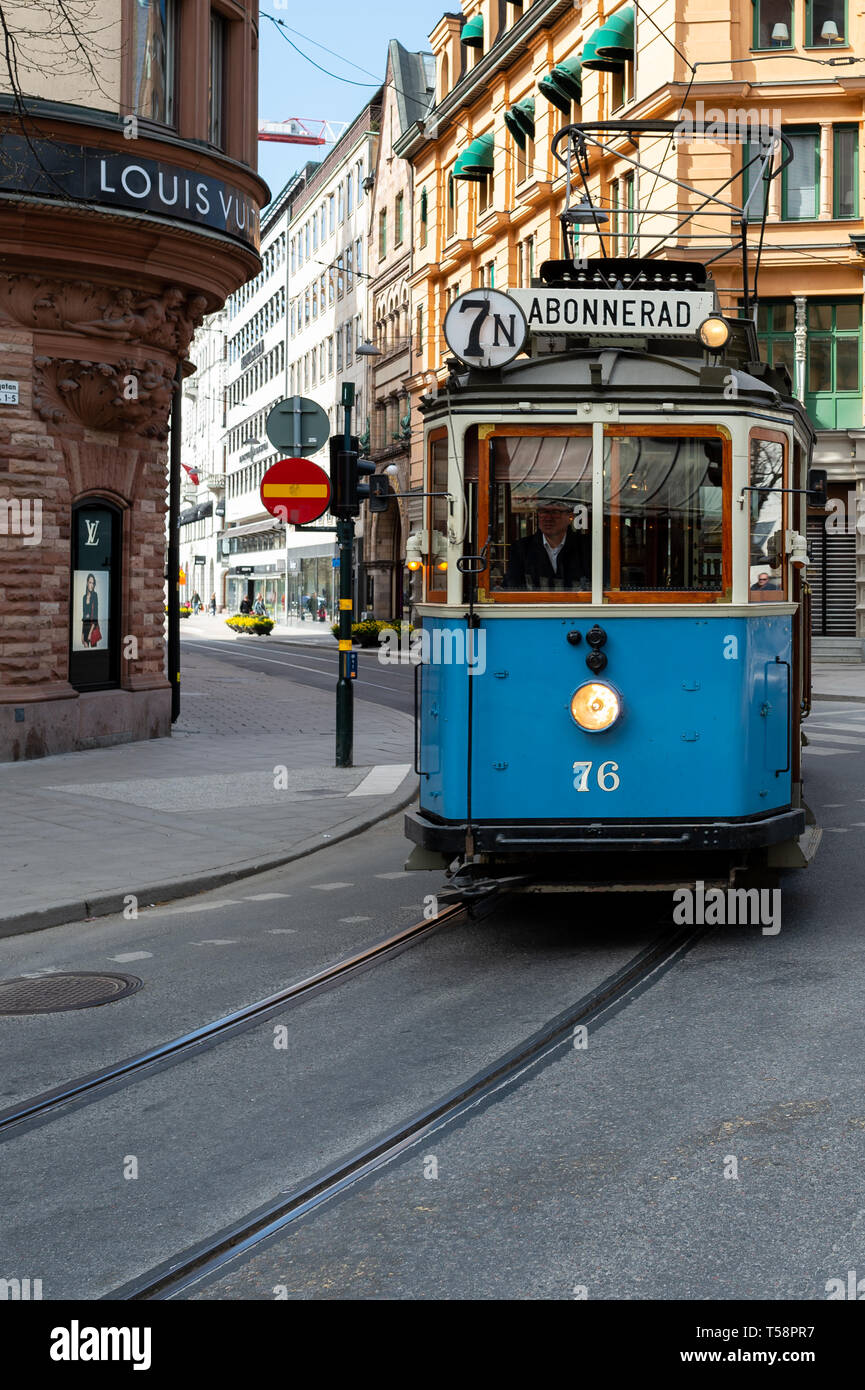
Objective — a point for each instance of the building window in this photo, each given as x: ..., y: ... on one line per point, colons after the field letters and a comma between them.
x: 153, y: 47
x: 423, y: 218
x: 629, y: 203
x: 349, y: 195
x: 800, y: 181
x: 331, y: 213
x: 491, y: 275
x: 451, y: 208
x: 825, y: 23
x: 397, y: 220
x: 218, y: 32
x: 314, y: 233
x: 485, y: 194
x: 360, y: 183
x: 330, y: 356
x: 773, y: 24
x: 382, y: 234
x: 358, y: 257
x: 339, y: 351
x: 340, y: 204
x: 419, y: 318
x: 845, y: 175
x: 306, y: 240
x: 349, y: 268
x: 340, y: 278
x: 348, y: 345
x: 833, y: 383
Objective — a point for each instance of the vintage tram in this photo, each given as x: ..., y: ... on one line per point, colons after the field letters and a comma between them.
x: 615, y: 610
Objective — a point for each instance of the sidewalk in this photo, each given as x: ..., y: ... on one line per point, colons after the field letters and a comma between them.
x: 832, y: 680
x: 245, y: 783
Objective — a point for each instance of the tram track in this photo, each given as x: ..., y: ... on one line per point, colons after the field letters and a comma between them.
x: 211, y: 1257
x: 71, y: 1095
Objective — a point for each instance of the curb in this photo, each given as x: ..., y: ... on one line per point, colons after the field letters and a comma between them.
x: 106, y: 904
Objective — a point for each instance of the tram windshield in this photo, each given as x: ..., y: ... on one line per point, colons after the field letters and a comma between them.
x: 663, y: 522
x: 663, y: 514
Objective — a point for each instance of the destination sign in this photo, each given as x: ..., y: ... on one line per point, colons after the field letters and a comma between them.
x: 615, y: 312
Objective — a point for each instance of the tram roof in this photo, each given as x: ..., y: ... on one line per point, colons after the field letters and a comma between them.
x: 641, y: 378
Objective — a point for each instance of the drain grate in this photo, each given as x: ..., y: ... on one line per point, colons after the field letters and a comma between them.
x: 55, y: 994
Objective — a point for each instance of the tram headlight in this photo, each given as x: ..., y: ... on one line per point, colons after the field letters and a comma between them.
x: 714, y: 333
x: 595, y: 707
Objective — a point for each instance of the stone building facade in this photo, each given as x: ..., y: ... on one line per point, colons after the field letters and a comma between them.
x: 128, y: 210
x: 408, y: 91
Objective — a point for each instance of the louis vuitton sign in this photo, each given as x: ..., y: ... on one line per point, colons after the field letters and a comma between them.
x: 84, y: 174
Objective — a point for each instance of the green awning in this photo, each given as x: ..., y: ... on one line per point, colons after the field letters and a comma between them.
x: 476, y: 161
x: 618, y: 45
x: 611, y: 46
x: 473, y: 32
x: 564, y: 84
x: 520, y: 121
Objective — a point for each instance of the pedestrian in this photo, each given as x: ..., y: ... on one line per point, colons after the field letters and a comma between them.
x: 312, y: 605
x: 196, y: 603
x: 322, y: 612
x: 258, y: 607
x: 245, y: 606
x: 213, y: 605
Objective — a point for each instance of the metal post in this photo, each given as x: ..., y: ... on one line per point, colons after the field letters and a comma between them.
x: 344, y: 691
x: 173, y: 553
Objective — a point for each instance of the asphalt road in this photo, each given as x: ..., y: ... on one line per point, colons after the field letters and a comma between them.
x: 708, y: 1142
x: 390, y: 685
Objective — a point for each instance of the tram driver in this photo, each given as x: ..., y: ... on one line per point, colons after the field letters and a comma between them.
x: 555, y: 556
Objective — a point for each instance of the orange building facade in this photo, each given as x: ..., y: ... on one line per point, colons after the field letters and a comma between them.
x: 488, y: 193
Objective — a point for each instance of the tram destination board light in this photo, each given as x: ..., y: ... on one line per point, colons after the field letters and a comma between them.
x: 595, y: 707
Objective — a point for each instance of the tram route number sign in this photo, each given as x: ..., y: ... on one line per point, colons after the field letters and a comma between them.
x: 615, y: 313
x: 485, y: 328
x: 296, y: 491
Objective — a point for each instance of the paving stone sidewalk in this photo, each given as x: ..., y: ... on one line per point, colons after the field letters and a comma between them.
x: 837, y: 680
x: 245, y: 782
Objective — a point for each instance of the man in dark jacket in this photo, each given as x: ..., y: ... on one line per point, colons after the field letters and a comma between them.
x: 554, y: 557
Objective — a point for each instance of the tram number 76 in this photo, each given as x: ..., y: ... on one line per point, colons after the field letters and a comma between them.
x: 607, y: 776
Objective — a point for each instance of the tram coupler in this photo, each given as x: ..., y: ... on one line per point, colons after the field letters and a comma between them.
x: 470, y: 883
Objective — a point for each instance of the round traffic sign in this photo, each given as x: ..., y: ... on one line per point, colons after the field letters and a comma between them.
x: 485, y: 328
x: 298, y: 425
x: 296, y: 491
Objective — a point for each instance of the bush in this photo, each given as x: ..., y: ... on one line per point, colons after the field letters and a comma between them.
x: 366, y: 634
x: 242, y: 622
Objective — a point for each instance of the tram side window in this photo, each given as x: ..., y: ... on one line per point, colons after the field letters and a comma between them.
x: 438, y: 514
x: 663, y: 514
x: 540, y: 513
x: 766, y: 572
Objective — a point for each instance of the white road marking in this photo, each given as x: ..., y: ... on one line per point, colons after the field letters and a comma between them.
x: 381, y: 780
x: 272, y: 661
x: 845, y: 728
x: 329, y: 887
x: 207, y: 907
x: 282, y: 931
x: 400, y: 873
x: 265, y: 897
x: 835, y: 829
x: 35, y: 974
x: 132, y: 955
x: 854, y: 740
x: 355, y: 919
x: 216, y: 942
x: 822, y: 752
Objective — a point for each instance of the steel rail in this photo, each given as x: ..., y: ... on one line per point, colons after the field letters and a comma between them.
x: 89, y: 1087
x: 209, y: 1257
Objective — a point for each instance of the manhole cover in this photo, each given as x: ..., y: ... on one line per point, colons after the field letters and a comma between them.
x: 55, y: 994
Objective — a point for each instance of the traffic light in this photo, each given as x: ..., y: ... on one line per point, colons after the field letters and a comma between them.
x: 346, y: 470
x: 379, y: 492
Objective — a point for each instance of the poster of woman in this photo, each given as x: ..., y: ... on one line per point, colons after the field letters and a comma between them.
x: 90, y: 607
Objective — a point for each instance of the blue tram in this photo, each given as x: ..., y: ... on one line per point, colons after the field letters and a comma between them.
x: 615, y: 611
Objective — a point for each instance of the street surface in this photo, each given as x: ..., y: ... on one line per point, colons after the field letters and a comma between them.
x: 705, y: 1143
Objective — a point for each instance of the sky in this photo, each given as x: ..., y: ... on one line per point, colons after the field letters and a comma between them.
x: 358, y: 32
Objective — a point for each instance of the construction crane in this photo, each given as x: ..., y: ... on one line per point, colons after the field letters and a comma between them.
x: 300, y: 130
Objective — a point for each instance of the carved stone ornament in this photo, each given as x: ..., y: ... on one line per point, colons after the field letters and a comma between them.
x: 127, y: 396
x: 114, y: 314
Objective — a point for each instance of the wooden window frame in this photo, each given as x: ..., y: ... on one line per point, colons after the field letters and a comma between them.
x: 433, y: 595
x: 771, y: 437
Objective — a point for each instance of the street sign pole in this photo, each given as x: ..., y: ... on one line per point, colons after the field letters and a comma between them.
x: 344, y: 689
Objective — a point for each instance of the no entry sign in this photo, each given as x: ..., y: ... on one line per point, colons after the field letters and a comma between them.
x: 296, y: 491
